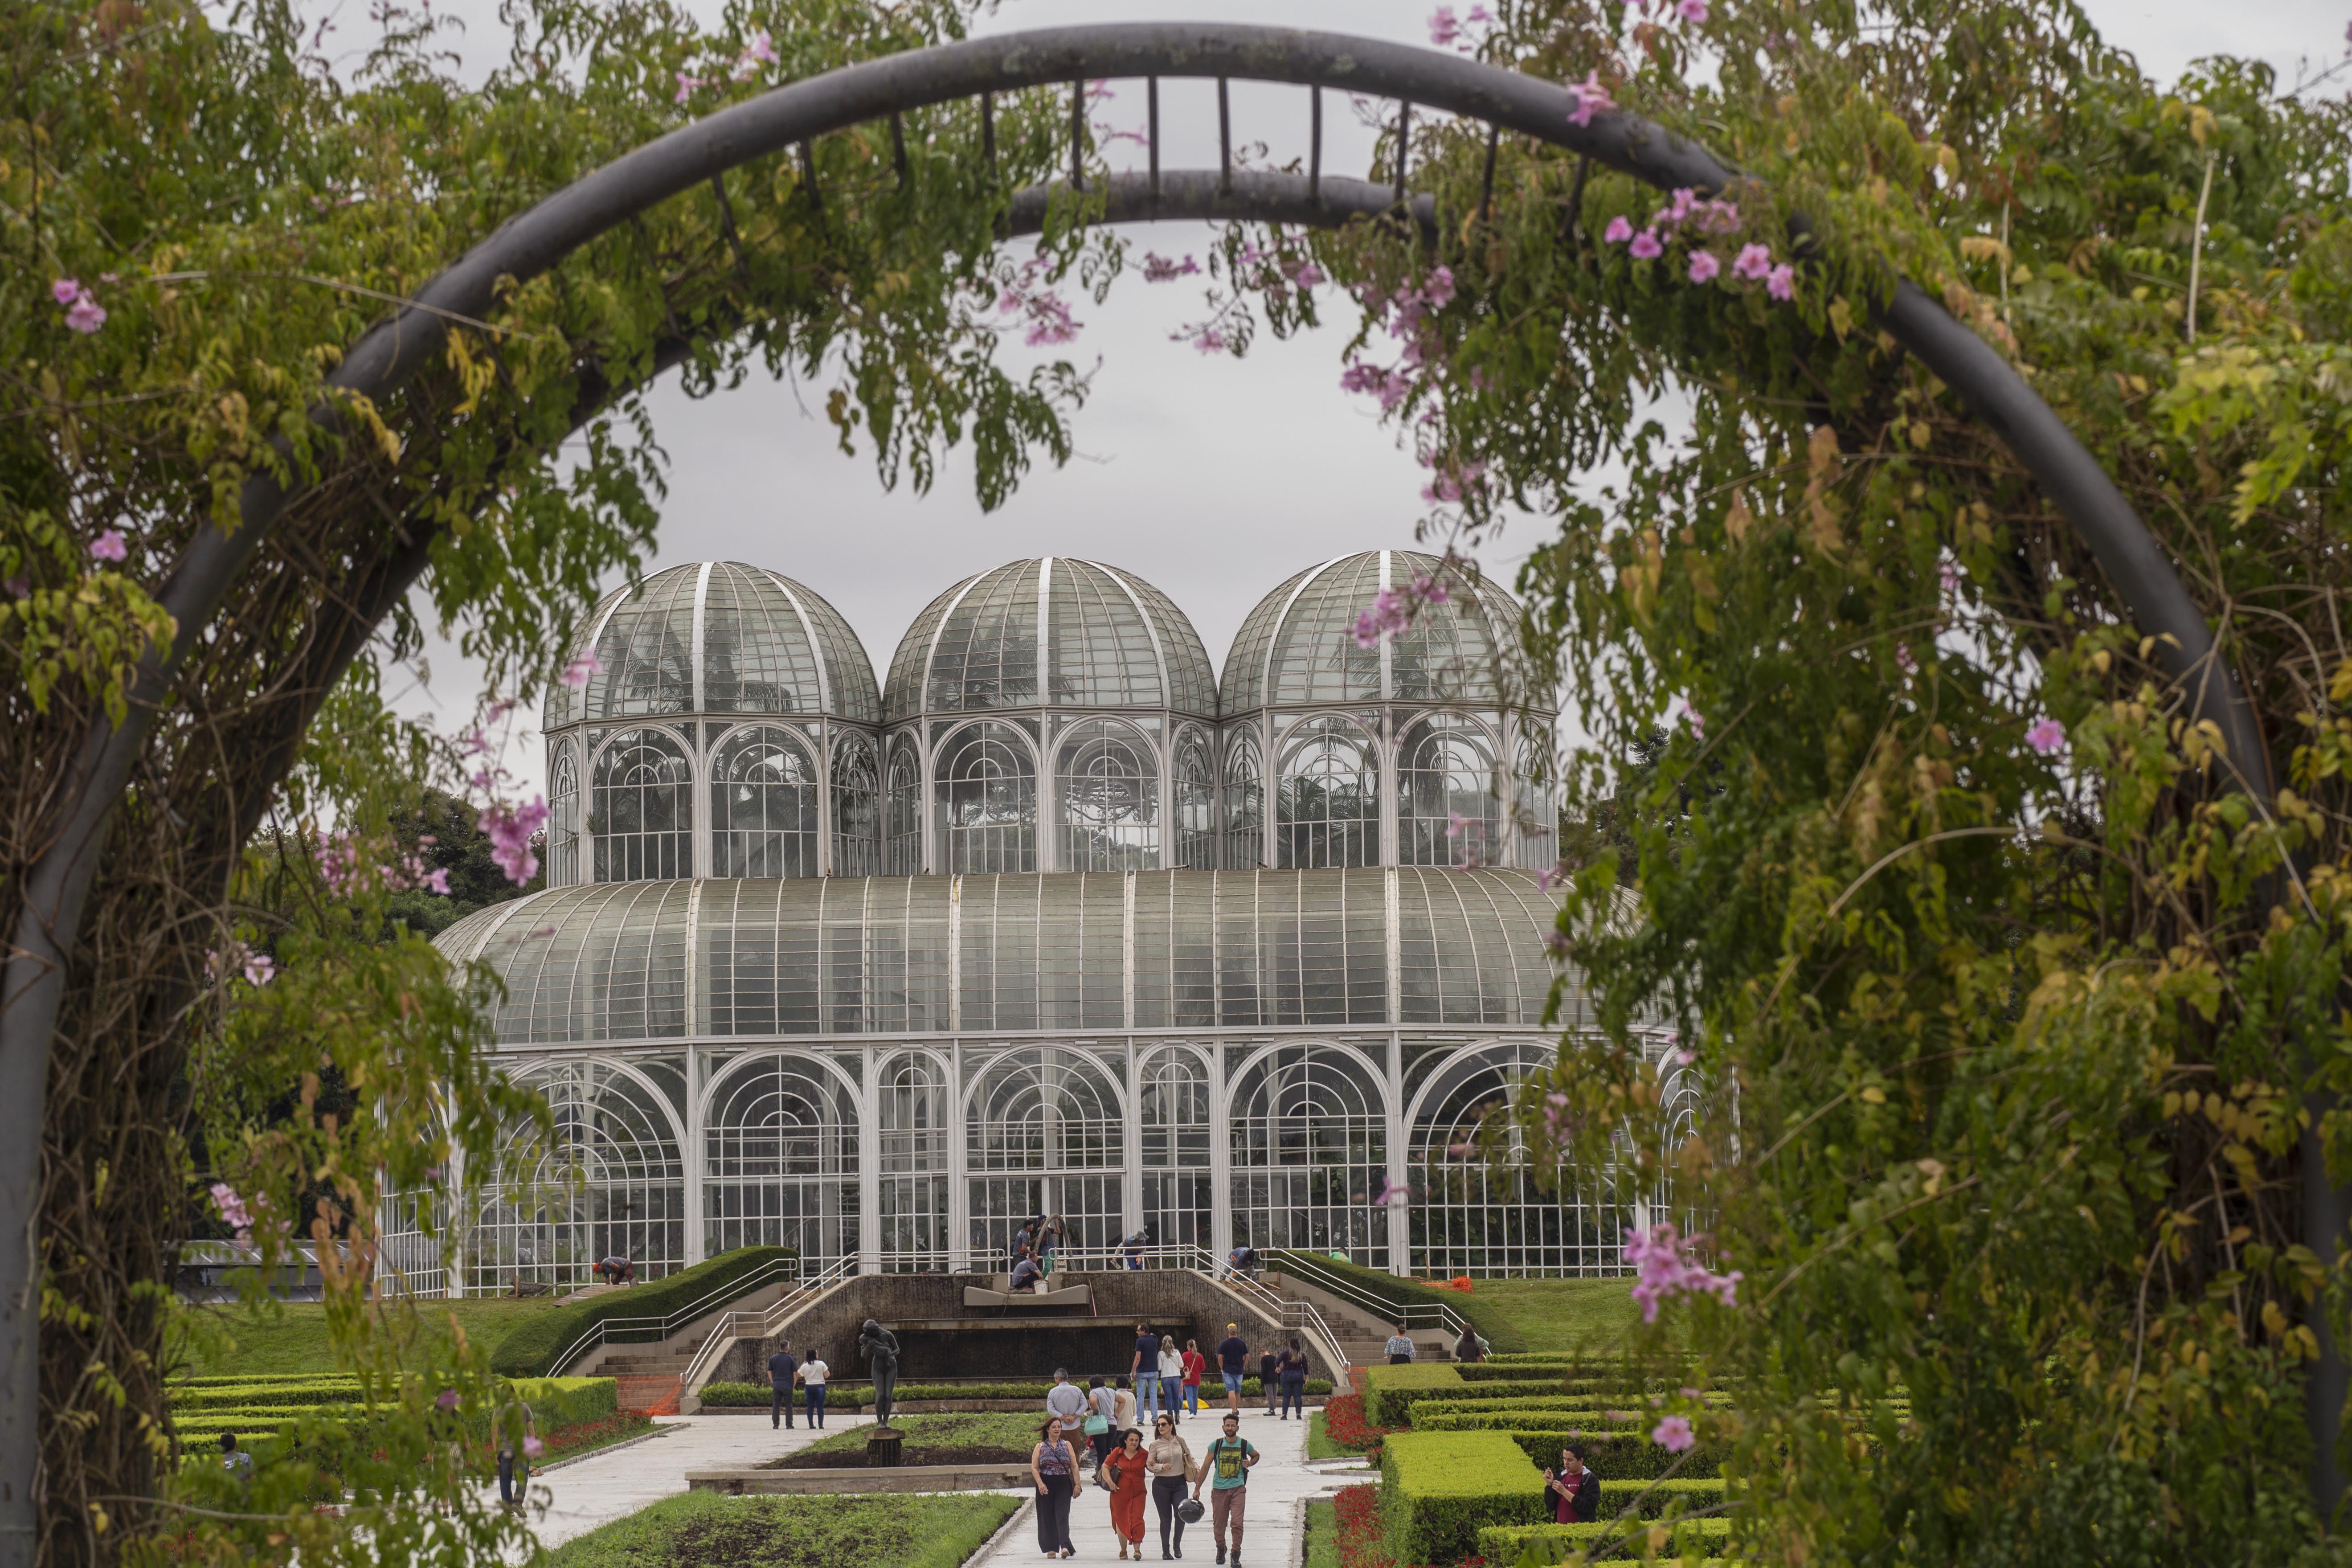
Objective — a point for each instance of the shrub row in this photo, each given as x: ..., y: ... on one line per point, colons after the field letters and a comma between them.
x: 1424, y: 1420
x: 857, y: 1395
x: 1392, y: 1392
x: 1507, y: 1545
x: 555, y: 1403
x: 1439, y: 1489
x: 531, y: 1348
x: 1624, y: 1453
x: 1500, y: 1332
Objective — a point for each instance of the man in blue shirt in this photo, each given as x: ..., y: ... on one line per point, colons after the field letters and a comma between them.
x: 1145, y: 1372
x: 780, y: 1368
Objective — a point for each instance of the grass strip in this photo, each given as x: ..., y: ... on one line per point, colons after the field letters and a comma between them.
x: 708, y: 1530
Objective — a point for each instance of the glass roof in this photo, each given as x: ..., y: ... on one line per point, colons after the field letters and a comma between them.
x: 1109, y: 640
x: 1018, y: 953
x: 767, y: 645
x: 1298, y: 645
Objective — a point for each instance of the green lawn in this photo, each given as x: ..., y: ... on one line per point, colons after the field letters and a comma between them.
x: 235, y: 1339
x: 1320, y: 1445
x: 1322, y: 1535
x: 707, y: 1530
x: 1565, y: 1314
x: 1007, y: 1429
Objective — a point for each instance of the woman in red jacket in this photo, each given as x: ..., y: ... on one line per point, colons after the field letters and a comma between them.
x: 1194, y: 1365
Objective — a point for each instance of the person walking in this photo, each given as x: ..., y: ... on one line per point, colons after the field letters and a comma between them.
x: 1102, y: 1412
x: 1068, y: 1404
x: 1292, y: 1365
x: 1123, y: 1414
x: 783, y: 1369
x: 1195, y: 1363
x: 1128, y: 1469
x: 517, y: 1430
x: 1269, y: 1375
x: 1171, y: 1374
x: 813, y: 1372
x: 1054, y: 1466
x: 1575, y: 1489
x: 1170, y: 1461
x: 1228, y: 1461
x: 1399, y: 1347
x: 1232, y: 1363
x: 1145, y: 1369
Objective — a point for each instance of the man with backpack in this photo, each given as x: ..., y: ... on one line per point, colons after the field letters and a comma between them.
x: 1227, y: 1462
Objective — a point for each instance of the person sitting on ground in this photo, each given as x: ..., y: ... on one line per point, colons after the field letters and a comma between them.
x: 1027, y: 1275
x: 1240, y: 1262
x: 1576, y: 1490
x: 1399, y: 1347
x: 234, y: 1459
x: 617, y: 1270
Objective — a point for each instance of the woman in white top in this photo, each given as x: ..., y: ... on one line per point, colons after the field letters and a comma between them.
x: 813, y: 1373
x: 1171, y: 1373
x: 1123, y: 1409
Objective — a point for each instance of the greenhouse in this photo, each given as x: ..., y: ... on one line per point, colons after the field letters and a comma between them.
x: 1051, y: 921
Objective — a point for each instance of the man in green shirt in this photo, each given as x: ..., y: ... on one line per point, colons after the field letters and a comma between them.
x: 1227, y: 1462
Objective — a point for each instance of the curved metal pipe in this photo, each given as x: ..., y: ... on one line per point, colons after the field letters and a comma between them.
x: 56, y: 884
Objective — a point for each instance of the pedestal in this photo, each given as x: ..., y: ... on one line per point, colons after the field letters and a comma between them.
x: 882, y: 1445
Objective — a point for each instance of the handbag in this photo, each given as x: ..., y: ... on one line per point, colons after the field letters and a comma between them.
x: 1098, y: 1423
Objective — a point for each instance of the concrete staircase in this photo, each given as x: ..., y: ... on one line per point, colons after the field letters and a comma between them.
x: 649, y: 1381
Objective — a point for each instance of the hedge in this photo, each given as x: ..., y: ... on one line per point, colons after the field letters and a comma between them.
x: 1619, y: 1452
x: 236, y: 1396
x: 1507, y: 1545
x: 1500, y: 1332
x: 857, y: 1395
x: 555, y: 1403
x: 1389, y: 1391
x: 1553, y: 1373
x: 1439, y: 1489
x: 1423, y: 1420
x: 1480, y: 1404
x: 531, y: 1348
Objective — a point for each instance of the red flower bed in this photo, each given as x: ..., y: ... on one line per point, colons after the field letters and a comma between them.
x: 566, y: 1440
x: 1363, y: 1541
x: 1343, y: 1422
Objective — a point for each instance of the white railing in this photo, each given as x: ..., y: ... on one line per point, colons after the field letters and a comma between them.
x: 609, y: 1330
x: 1331, y: 1282
x: 733, y: 1326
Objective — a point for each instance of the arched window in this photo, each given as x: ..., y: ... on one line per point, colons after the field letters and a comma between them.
x: 1109, y: 782
x: 1179, y: 1193
x: 1196, y: 801
x: 763, y: 806
x: 1446, y: 808
x: 780, y: 1160
x: 987, y: 801
x: 563, y: 819
x: 1535, y: 786
x: 1308, y: 1134
x: 856, y: 809
x: 905, y: 806
x: 1327, y: 808
x: 916, y: 1124
x: 1244, y: 804
x: 640, y: 810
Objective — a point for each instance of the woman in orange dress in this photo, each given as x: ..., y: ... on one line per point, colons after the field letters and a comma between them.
x: 1125, y: 1467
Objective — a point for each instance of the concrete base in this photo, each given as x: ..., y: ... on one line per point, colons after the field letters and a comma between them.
x: 904, y: 1478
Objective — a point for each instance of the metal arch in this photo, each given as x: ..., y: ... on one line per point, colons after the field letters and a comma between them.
x: 56, y: 885
x: 771, y: 1052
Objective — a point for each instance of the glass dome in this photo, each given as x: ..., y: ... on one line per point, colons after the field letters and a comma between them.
x: 721, y: 637
x: 1298, y: 647
x: 1108, y: 641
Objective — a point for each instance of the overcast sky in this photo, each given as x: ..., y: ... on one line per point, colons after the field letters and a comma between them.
x: 1215, y: 479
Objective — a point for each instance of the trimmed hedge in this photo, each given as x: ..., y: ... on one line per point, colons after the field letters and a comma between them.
x: 555, y: 1403
x: 1390, y: 1392
x: 1518, y: 1420
x: 1500, y: 1332
x: 1439, y: 1489
x: 1621, y: 1452
x: 1518, y: 1402
x: 1553, y: 1373
x: 1507, y: 1545
x: 857, y: 1395
x: 531, y: 1348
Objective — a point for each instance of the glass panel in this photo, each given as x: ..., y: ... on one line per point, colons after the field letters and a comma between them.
x: 916, y: 1124
x: 987, y: 801
x: 1195, y: 773
x: 608, y: 1184
x: 780, y: 1158
x: 564, y: 818
x: 1448, y: 811
x: 763, y: 806
x: 986, y: 656
x: 1109, y: 780
x: 856, y: 809
x: 641, y: 813
x: 1327, y: 810
x: 647, y: 650
x: 1245, y: 802
x: 1310, y: 1154
x: 906, y: 809
x: 1100, y: 652
x: 1044, y: 1137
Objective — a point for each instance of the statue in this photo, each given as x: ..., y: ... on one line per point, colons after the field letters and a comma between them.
x: 880, y: 1346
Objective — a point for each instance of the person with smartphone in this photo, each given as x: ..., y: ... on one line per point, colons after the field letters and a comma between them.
x: 1575, y: 1489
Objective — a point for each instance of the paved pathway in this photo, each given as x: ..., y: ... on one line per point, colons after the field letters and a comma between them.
x: 1270, y: 1535
x: 606, y: 1486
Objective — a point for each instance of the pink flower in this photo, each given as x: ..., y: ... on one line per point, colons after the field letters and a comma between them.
x: 1620, y: 230
x: 686, y: 86
x: 1437, y: 289
x: 1673, y: 1433
x: 1902, y: 660
x: 1159, y: 269
x: 1049, y: 321
x: 1389, y: 1191
x: 85, y: 315
x: 1386, y: 616
x: 1443, y: 28
x: 1456, y: 825
x: 66, y: 290
x: 1704, y: 266
x: 1948, y: 577
x: 579, y: 671
x: 230, y: 1207
x: 446, y: 1400
x: 108, y: 546
x: 436, y: 879
x: 1754, y: 263
x: 1665, y: 1267
x: 1592, y: 99
x: 1479, y: 14
x: 762, y: 49
x: 1306, y: 275
x: 2046, y: 736
x: 531, y: 1447
x: 1693, y: 11
x: 509, y: 829
x: 1210, y: 340
x: 1783, y: 283
x: 260, y: 968
x: 1646, y: 246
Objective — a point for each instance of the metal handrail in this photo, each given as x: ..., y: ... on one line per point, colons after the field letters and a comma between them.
x: 1348, y: 1290
x: 730, y: 1327
x: 605, y: 1330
